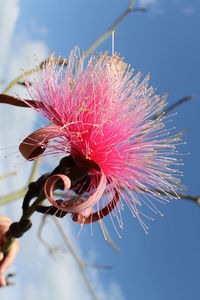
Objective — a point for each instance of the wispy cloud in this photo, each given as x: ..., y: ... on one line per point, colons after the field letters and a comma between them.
x: 42, y: 30
x: 188, y: 9
x: 9, y: 11
x: 159, y: 6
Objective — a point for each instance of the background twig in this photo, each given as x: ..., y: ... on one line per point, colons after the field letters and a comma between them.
x: 79, y: 262
x: 104, y: 36
x: 178, y: 103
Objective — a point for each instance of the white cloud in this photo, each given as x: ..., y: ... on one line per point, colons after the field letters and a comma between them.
x: 189, y: 9
x: 38, y: 275
x: 25, y: 57
x: 9, y: 11
x: 16, y: 123
x: 43, y: 30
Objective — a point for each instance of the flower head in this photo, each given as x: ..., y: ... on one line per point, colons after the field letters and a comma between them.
x: 107, y: 120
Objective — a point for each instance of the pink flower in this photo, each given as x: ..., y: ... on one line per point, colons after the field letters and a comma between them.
x: 105, y: 118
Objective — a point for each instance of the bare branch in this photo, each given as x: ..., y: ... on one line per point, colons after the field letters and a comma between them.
x: 178, y: 103
x: 19, y: 79
x: 34, y: 170
x: 193, y: 198
x: 82, y: 265
x: 108, y: 238
x: 10, y: 174
x: 14, y: 82
x: 104, y: 36
x: 12, y: 196
x: 51, y: 250
x: 8, y: 277
x: 23, y: 83
x: 21, y: 192
x: 79, y: 262
x: 140, y: 9
x: 100, y: 267
x: 131, y: 3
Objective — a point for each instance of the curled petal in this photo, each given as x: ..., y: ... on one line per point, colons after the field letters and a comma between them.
x: 77, y: 207
x: 49, y: 186
x: 6, y: 99
x: 36, y: 143
x: 94, y: 217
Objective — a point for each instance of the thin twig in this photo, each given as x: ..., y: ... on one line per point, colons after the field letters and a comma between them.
x: 108, y: 238
x: 112, y: 28
x: 79, y: 262
x: 34, y: 170
x: 10, y: 174
x: 13, y: 196
x: 20, y: 193
x: 25, y: 74
x: 193, y: 198
x: 23, y: 83
x: 97, y: 266
x: 8, y: 277
x: 178, y: 103
x: 14, y: 82
x: 140, y: 9
x: 51, y: 250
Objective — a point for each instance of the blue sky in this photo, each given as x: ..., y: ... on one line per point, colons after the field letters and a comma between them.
x: 165, y: 42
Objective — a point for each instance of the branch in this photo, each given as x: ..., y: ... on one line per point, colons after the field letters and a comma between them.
x: 16, y: 80
x: 51, y: 250
x: 193, y: 198
x: 23, y: 83
x: 112, y: 28
x: 10, y: 174
x: 20, y: 78
x: 34, y: 170
x: 13, y: 196
x: 97, y: 266
x: 20, y: 193
x: 140, y: 9
x: 178, y: 103
x: 108, y: 239
x: 79, y: 262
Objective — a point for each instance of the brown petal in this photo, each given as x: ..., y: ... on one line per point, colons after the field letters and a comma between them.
x: 77, y: 207
x: 36, y: 143
x: 94, y: 217
x: 6, y: 99
x: 49, y: 187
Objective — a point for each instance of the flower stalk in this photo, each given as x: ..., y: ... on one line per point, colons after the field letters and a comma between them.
x: 17, y: 229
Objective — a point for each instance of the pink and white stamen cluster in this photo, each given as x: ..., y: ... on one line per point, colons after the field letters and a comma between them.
x: 105, y: 114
